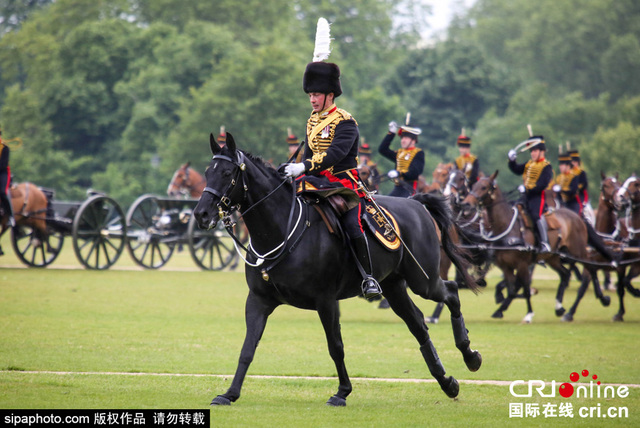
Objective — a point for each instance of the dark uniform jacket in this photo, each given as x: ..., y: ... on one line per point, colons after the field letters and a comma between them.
x: 409, y: 164
x: 536, y: 177
x: 569, y: 191
x: 583, y: 185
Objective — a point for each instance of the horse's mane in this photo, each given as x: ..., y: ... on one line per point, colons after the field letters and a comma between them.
x: 263, y: 165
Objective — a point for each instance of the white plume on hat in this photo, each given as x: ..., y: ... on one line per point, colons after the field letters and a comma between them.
x: 322, y: 48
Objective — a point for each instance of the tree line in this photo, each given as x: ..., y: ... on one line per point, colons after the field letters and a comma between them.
x: 116, y: 94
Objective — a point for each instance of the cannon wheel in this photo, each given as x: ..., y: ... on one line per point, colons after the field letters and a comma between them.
x: 145, y: 243
x: 32, y: 248
x: 211, y: 249
x: 99, y: 232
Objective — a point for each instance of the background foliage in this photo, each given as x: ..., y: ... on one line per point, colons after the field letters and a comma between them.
x: 116, y: 94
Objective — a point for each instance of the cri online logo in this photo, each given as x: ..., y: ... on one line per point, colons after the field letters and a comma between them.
x: 566, y: 389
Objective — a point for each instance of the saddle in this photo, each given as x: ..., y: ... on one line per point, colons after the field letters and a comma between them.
x: 549, y: 216
x: 332, y: 207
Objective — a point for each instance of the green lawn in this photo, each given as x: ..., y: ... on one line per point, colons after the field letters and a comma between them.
x: 192, y: 323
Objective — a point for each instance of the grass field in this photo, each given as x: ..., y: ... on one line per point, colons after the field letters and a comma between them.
x: 132, y: 339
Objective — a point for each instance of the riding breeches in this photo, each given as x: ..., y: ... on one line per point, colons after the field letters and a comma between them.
x: 351, y: 221
x: 536, y: 206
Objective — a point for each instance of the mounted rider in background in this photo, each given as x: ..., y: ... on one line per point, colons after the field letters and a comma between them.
x: 466, y: 162
x: 537, y: 173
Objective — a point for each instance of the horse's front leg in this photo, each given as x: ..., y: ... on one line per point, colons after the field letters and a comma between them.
x: 256, y: 313
x: 329, y: 313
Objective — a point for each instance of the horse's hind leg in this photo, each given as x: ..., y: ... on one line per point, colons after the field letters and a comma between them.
x: 403, y: 306
x: 256, y: 314
x: 586, y: 277
x: 450, y: 297
x: 329, y: 313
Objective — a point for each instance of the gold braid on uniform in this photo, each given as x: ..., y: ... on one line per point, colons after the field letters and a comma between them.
x: 404, y: 158
x: 463, y: 161
x: 564, y: 180
x: 320, y: 143
x: 532, y: 171
x: 576, y: 170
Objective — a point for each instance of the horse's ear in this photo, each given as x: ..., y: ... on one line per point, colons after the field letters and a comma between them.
x: 494, y: 175
x: 231, y: 143
x: 616, y: 176
x: 213, y: 144
x: 188, y: 164
x: 602, y: 174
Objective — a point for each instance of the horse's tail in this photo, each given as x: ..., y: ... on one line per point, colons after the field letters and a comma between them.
x: 596, y: 242
x: 439, y: 209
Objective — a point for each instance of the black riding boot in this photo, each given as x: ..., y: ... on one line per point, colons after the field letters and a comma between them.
x: 543, y: 238
x: 370, y: 287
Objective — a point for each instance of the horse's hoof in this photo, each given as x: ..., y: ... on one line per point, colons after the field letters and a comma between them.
x: 528, y: 319
x: 560, y: 311
x: 605, y: 300
x: 497, y: 314
x: 336, y: 401
x: 481, y: 283
x: 431, y: 320
x: 450, y: 387
x: 221, y: 401
x: 474, y: 362
x: 567, y: 318
x: 534, y: 291
x: 634, y: 291
x: 617, y: 318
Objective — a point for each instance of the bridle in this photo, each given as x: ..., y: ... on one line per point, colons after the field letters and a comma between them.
x: 225, y: 210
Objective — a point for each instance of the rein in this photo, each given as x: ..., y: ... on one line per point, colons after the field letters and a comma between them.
x: 503, y: 234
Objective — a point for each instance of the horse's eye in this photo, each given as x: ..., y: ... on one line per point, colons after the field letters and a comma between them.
x: 226, y: 173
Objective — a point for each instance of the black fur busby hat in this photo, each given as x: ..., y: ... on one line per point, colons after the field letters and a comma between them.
x: 321, y: 76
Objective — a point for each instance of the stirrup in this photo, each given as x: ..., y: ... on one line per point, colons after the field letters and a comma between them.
x: 370, y: 288
x: 544, y: 248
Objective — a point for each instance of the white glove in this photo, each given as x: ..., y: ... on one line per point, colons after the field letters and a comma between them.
x: 512, y: 155
x: 393, y: 174
x: 521, y: 188
x: 393, y: 127
x: 294, y: 169
x: 556, y: 188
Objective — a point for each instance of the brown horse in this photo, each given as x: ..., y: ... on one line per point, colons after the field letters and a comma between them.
x: 440, y: 178
x: 612, y: 231
x: 628, y: 196
x: 370, y: 175
x: 456, y: 189
x: 515, y: 244
x: 29, y: 205
x: 186, y: 182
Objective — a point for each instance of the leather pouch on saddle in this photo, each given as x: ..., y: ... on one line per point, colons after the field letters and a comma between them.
x: 526, y: 218
x: 552, y: 220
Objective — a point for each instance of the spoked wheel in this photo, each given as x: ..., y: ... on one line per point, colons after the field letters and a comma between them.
x: 33, y: 248
x: 211, y: 249
x: 150, y: 243
x: 99, y: 232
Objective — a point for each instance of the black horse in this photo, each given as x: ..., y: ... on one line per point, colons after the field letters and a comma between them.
x: 293, y: 259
